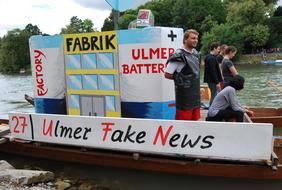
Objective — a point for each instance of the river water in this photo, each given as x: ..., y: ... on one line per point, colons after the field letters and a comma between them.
x: 255, y: 94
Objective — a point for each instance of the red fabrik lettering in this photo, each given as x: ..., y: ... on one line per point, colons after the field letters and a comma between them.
x: 40, y: 83
x: 106, y: 129
x: 50, y: 128
x: 160, y: 134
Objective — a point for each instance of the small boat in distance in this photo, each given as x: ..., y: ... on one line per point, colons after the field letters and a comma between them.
x: 272, y: 62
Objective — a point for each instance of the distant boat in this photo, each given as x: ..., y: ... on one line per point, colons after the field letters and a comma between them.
x: 22, y: 71
x: 272, y: 62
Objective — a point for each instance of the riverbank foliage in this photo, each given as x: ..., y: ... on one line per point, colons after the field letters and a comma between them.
x: 250, y: 25
x: 14, y: 49
x: 14, y: 46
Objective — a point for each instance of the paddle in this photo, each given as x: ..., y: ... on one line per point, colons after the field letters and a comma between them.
x: 271, y: 84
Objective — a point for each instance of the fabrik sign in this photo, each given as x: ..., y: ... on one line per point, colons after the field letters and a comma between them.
x: 239, y: 141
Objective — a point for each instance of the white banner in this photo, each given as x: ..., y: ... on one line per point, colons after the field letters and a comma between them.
x: 236, y: 141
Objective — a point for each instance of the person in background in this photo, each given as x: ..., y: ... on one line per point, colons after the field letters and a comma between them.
x: 227, y: 67
x: 212, y: 74
x: 221, y: 54
x: 226, y: 105
x: 219, y: 59
x: 183, y: 67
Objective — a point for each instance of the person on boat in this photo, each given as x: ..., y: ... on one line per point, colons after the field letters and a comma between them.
x: 212, y: 74
x: 183, y: 67
x: 227, y: 67
x: 226, y: 105
x: 219, y: 59
x: 221, y: 54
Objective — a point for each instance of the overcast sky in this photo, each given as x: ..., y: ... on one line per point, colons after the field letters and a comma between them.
x: 51, y: 15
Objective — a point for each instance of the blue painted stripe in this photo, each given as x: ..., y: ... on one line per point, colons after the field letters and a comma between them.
x: 151, y: 110
x: 50, y: 106
x: 39, y: 41
x: 145, y: 35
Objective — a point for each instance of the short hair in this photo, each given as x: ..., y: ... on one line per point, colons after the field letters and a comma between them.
x: 237, y: 82
x: 214, y: 45
x: 230, y: 49
x: 188, y: 32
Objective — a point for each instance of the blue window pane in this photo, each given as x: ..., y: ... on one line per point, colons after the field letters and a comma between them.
x: 74, y: 101
x: 106, y: 82
x: 110, y: 103
x: 105, y: 61
x: 74, y: 82
x: 90, y: 82
x: 73, y: 62
x: 89, y: 61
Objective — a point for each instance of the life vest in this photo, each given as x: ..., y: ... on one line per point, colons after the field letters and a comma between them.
x: 187, y: 81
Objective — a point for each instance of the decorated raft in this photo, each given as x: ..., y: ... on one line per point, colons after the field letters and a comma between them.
x: 101, y: 98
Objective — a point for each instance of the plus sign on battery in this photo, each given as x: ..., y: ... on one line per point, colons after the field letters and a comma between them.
x: 172, y: 35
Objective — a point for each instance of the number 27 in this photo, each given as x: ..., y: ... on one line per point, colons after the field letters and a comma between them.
x: 20, y: 122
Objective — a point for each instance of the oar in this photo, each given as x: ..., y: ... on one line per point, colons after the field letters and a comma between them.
x: 270, y: 83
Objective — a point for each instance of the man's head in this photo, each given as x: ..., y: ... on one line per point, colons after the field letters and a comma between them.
x: 215, y: 48
x: 190, y: 39
x: 237, y: 82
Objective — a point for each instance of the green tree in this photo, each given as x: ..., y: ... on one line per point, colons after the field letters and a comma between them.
x: 266, y: 2
x: 125, y: 20
x: 275, y: 27
x: 196, y: 12
x: 14, y: 51
x: 255, y: 35
x: 249, y: 18
x: 108, y: 23
x: 278, y: 11
x: 88, y: 26
x: 32, y: 29
x: 161, y: 10
x: 223, y: 33
x: 208, y: 23
x: 78, y: 26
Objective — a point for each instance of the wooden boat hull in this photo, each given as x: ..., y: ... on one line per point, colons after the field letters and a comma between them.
x: 152, y: 162
x: 148, y: 162
x: 268, y: 115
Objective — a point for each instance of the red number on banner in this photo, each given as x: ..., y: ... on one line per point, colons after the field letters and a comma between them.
x: 20, y: 122
x: 16, y: 125
x: 23, y: 123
